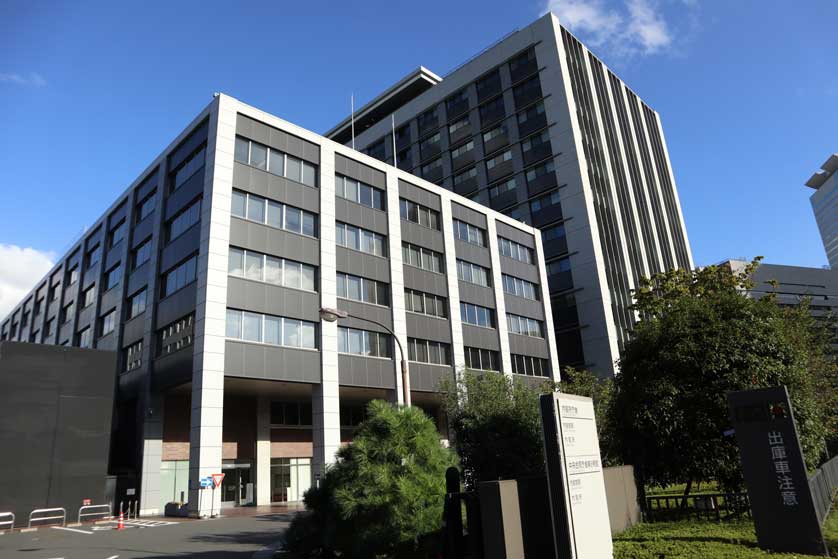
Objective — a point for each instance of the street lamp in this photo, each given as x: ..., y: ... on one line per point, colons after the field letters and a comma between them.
x: 331, y: 315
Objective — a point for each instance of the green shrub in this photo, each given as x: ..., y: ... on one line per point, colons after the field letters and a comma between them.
x: 383, y: 496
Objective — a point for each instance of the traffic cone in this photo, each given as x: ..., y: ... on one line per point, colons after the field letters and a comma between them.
x: 121, y: 524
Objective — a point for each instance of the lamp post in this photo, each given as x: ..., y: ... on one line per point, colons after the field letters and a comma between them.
x: 331, y: 315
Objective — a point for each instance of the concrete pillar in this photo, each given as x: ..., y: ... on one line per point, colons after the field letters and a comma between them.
x: 325, y: 397
x: 263, y: 451
x: 150, y: 498
x: 394, y: 236
x: 205, y: 435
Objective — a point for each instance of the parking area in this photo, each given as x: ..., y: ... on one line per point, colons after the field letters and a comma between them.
x: 233, y: 536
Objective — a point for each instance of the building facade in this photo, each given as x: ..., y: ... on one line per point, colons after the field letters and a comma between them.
x: 207, y: 276
x: 538, y: 128
x: 792, y: 284
x: 825, y: 205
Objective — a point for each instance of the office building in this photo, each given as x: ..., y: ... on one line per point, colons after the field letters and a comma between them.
x: 207, y: 276
x: 825, y: 205
x: 537, y: 127
x: 792, y: 284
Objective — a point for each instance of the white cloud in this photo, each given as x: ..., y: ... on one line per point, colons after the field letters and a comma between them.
x: 629, y: 28
x: 32, y: 79
x: 20, y: 270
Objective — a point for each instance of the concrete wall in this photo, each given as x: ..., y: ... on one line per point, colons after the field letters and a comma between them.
x: 55, y: 426
x: 621, y: 494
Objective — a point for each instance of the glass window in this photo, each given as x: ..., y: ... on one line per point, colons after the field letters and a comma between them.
x: 276, y: 164
x: 258, y: 155
x: 113, y: 277
x: 242, y: 149
x: 108, y: 323
x: 273, y: 330
x: 462, y: 150
x: 239, y: 204
x: 292, y: 274
x: 293, y: 219
x: 252, y: 327
x: 85, y: 338
x: 234, y: 324
x: 293, y: 168
x: 142, y: 254
x: 291, y: 333
x: 256, y: 209
x: 273, y: 270
x: 307, y: 335
x: 235, y: 261
x: 137, y: 303
x: 307, y: 280
x: 253, y: 265
x: 274, y: 214
x: 118, y: 233
x: 309, y: 226
x: 88, y: 297
x: 184, y: 220
x: 309, y: 174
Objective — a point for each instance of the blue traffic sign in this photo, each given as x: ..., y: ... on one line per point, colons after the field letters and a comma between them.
x: 206, y: 482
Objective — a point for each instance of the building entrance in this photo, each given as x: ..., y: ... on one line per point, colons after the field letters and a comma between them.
x: 237, y: 487
x: 290, y: 479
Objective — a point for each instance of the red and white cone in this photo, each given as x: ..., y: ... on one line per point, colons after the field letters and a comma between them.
x: 121, y: 524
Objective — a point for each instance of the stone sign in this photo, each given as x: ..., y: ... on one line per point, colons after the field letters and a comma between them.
x: 775, y: 473
x: 581, y: 527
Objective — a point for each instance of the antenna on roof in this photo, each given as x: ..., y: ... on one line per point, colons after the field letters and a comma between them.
x: 393, y: 125
x: 352, y: 111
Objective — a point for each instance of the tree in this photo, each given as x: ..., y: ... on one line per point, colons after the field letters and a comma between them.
x: 496, y: 421
x: 496, y: 426
x: 383, y: 496
x: 585, y: 383
x: 699, y: 337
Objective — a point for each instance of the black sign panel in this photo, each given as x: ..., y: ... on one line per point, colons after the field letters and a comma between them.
x: 775, y: 474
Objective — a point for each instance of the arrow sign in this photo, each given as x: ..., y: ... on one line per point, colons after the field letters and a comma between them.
x: 216, y: 478
x: 206, y: 482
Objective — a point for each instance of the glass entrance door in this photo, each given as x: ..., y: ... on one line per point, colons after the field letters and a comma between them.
x: 290, y: 479
x: 237, y: 487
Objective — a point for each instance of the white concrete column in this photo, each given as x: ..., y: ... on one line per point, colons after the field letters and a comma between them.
x: 549, y: 331
x: 457, y: 353
x: 263, y: 450
x: 150, y: 497
x: 205, y: 435
x: 394, y: 236
x: 325, y: 398
x: 500, y: 302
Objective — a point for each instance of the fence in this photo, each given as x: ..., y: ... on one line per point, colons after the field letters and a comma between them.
x: 37, y: 515
x: 9, y: 520
x: 90, y: 511
x: 823, y: 484
x: 707, y: 506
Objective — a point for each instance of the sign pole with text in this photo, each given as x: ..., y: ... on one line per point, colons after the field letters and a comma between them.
x: 781, y: 501
x: 576, y: 487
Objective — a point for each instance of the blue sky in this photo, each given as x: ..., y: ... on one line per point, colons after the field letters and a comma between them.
x: 747, y: 92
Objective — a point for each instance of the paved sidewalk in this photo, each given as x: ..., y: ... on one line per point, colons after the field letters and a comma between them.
x: 233, y: 536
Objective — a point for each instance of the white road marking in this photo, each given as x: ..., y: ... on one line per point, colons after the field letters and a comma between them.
x: 113, y: 557
x: 72, y: 530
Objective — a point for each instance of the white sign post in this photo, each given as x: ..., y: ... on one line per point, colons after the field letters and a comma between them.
x: 578, y: 506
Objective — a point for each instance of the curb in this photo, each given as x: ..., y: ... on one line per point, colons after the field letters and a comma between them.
x: 268, y: 551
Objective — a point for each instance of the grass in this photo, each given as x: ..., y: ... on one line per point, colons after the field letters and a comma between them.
x: 677, y: 490
x: 705, y: 539
x: 695, y: 539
